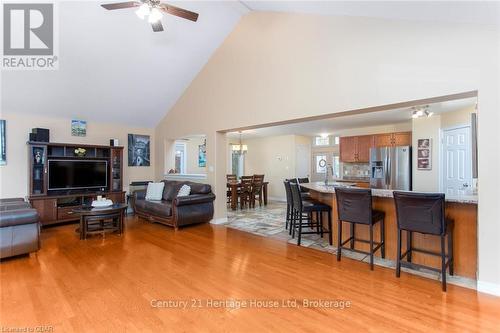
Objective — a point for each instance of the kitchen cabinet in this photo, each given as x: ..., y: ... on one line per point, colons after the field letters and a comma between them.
x: 356, y: 148
x: 364, y: 143
x: 402, y: 139
x: 393, y: 139
x: 383, y: 140
x: 348, y: 149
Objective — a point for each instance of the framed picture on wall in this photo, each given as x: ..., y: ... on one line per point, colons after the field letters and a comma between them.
x: 202, y: 155
x: 3, y: 143
x: 138, y: 150
x: 78, y: 128
x: 424, y: 154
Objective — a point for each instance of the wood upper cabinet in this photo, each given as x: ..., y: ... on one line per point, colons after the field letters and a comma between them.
x: 393, y: 139
x: 383, y: 140
x: 348, y: 149
x: 364, y: 143
x: 355, y: 148
x: 402, y: 139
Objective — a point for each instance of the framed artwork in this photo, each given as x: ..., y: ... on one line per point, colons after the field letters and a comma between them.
x: 138, y: 150
x: 3, y: 143
x: 424, y: 154
x: 202, y: 155
x: 78, y: 128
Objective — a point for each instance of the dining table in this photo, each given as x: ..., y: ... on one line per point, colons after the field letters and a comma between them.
x: 235, y: 186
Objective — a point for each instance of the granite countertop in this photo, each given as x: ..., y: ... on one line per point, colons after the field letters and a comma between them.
x: 353, y: 179
x: 382, y: 193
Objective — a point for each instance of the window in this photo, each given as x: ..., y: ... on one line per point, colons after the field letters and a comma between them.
x: 336, y: 140
x: 322, y: 141
x: 237, y: 164
x: 336, y: 165
x: 180, y: 157
x: 318, y: 168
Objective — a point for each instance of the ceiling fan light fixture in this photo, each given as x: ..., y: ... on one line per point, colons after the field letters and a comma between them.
x: 155, y: 15
x: 143, y: 11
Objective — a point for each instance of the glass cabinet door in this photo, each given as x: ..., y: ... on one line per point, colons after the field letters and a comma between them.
x: 38, y: 158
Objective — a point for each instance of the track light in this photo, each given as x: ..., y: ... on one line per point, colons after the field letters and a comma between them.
x: 421, y: 111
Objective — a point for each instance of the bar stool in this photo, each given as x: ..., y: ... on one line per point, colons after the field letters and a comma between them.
x: 354, y: 205
x: 423, y: 213
x: 289, y: 203
x: 303, y: 209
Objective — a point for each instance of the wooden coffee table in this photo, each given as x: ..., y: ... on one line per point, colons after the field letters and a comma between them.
x: 101, y: 220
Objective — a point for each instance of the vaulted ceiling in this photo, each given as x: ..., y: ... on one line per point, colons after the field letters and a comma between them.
x: 113, y: 68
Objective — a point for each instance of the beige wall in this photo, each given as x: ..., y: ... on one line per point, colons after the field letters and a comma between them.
x: 275, y: 158
x: 275, y: 67
x: 426, y: 128
x: 457, y: 118
x: 14, y: 175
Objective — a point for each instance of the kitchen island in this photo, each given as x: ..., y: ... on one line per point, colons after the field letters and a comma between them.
x: 463, y: 210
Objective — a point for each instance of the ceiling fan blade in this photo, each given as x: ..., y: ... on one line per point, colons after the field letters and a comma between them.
x: 186, y: 14
x: 121, y: 5
x: 157, y: 26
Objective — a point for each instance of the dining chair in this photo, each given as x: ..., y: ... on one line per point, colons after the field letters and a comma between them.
x: 258, y: 183
x: 230, y: 179
x: 245, y: 194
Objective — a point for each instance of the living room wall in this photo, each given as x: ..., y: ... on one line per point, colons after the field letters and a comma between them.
x: 275, y: 67
x: 14, y: 175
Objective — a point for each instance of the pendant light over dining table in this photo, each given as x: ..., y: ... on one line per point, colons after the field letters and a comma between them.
x: 239, y: 148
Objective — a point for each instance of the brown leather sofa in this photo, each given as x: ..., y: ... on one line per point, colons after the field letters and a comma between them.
x: 19, y: 228
x: 198, y: 207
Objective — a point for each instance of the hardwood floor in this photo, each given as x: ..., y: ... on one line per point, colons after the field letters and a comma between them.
x: 108, y: 285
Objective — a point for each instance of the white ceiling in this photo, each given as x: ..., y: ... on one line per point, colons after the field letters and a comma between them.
x: 338, y: 124
x: 476, y: 12
x: 113, y: 68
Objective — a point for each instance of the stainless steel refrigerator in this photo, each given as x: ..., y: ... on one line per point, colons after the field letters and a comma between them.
x: 390, y: 168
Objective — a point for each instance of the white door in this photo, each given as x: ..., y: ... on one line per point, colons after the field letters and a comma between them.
x: 457, y: 162
x: 302, y: 161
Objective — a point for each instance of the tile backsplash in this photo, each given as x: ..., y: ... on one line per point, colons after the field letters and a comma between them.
x: 355, y: 170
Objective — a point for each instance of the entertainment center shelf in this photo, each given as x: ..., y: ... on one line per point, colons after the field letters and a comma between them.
x: 66, y: 176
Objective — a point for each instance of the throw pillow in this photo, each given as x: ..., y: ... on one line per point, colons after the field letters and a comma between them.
x: 184, y: 191
x: 154, y: 191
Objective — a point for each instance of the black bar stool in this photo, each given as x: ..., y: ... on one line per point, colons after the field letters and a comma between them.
x: 289, y: 205
x: 354, y: 205
x: 423, y: 213
x: 303, y: 209
x: 289, y: 199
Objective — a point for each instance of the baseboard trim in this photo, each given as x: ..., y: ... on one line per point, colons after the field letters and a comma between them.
x: 488, y: 288
x: 278, y: 199
x: 221, y: 220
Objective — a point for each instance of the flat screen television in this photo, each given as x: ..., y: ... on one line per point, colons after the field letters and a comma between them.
x: 77, y: 174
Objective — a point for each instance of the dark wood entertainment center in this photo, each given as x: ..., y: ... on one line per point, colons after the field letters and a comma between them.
x: 57, y: 206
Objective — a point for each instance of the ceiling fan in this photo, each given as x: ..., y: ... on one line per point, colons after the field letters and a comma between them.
x: 153, y: 9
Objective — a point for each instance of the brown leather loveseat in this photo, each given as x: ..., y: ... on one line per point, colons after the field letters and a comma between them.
x: 174, y: 211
